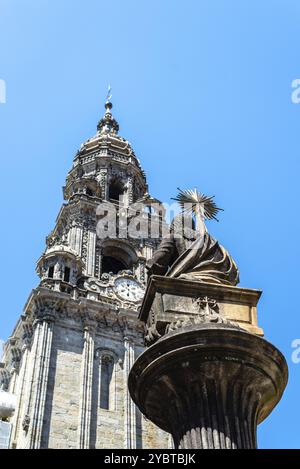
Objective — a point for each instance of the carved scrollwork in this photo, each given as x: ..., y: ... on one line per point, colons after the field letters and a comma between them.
x: 152, y: 334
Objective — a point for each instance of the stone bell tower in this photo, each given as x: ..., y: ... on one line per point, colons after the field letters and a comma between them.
x: 68, y: 359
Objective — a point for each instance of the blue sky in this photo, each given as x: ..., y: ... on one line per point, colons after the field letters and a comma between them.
x: 202, y: 89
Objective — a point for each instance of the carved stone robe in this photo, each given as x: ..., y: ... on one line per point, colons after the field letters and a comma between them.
x: 202, y: 259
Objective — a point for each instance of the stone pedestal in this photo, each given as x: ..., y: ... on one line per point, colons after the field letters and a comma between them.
x: 204, y: 379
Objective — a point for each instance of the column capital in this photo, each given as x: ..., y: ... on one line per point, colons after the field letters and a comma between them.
x: 27, y: 336
x: 47, y: 317
x: 128, y: 335
x: 4, y: 377
x: 15, y: 358
x: 89, y: 325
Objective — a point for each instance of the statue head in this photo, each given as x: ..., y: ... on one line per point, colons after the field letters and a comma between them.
x: 183, y: 226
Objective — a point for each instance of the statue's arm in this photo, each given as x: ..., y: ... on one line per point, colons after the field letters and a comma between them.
x: 162, y: 258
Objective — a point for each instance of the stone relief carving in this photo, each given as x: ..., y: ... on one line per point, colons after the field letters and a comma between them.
x: 104, y: 289
x: 4, y: 378
x: 26, y: 422
x: 103, y: 182
x: 151, y: 332
x: 206, y: 310
x: 85, y: 238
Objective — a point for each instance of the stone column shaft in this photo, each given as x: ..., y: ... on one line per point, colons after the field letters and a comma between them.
x: 100, y: 263
x: 91, y: 249
x: 130, y: 190
x: 86, y: 389
x: 130, y: 409
x: 215, y: 416
x: 39, y: 380
x: 20, y: 395
x: 76, y: 235
x: 209, y: 386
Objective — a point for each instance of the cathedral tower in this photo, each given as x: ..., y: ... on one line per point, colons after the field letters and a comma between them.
x: 68, y: 359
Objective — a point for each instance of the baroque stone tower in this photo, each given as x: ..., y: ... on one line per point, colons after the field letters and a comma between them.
x: 68, y: 359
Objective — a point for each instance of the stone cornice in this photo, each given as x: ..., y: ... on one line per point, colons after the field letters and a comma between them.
x: 80, y: 310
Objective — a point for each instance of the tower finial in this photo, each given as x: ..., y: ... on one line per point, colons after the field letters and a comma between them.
x: 108, y: 103
x: 108, y: 124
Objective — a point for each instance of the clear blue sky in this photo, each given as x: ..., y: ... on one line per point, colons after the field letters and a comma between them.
x: 202, y: 89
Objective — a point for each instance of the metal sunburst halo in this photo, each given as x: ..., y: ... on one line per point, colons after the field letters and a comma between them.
x: 195, y: 203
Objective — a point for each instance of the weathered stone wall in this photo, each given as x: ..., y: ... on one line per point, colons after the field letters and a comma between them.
x: 62, y: 402
x: 60, y: 426
x: 153, y: 437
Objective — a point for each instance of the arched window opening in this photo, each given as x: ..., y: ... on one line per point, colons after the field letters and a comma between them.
x: 51, y: 271
x: 67, y: 274
x: 117, y: 257
x: 89, y: 191
x: 149, y: 209
x: 116, y: 190
x: 106, y: 381
x: 112, y: 264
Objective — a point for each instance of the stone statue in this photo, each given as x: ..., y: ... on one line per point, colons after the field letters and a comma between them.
x: 192, y: 254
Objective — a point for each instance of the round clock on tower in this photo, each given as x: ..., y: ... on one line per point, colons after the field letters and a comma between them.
x: 129, y: 289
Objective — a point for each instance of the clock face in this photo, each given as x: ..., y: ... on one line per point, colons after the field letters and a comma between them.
x: 129, y: 289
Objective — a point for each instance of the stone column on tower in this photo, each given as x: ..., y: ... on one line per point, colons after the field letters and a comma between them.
x: 129, y: 406
x: 42, y: 343
x: 86, y: 384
